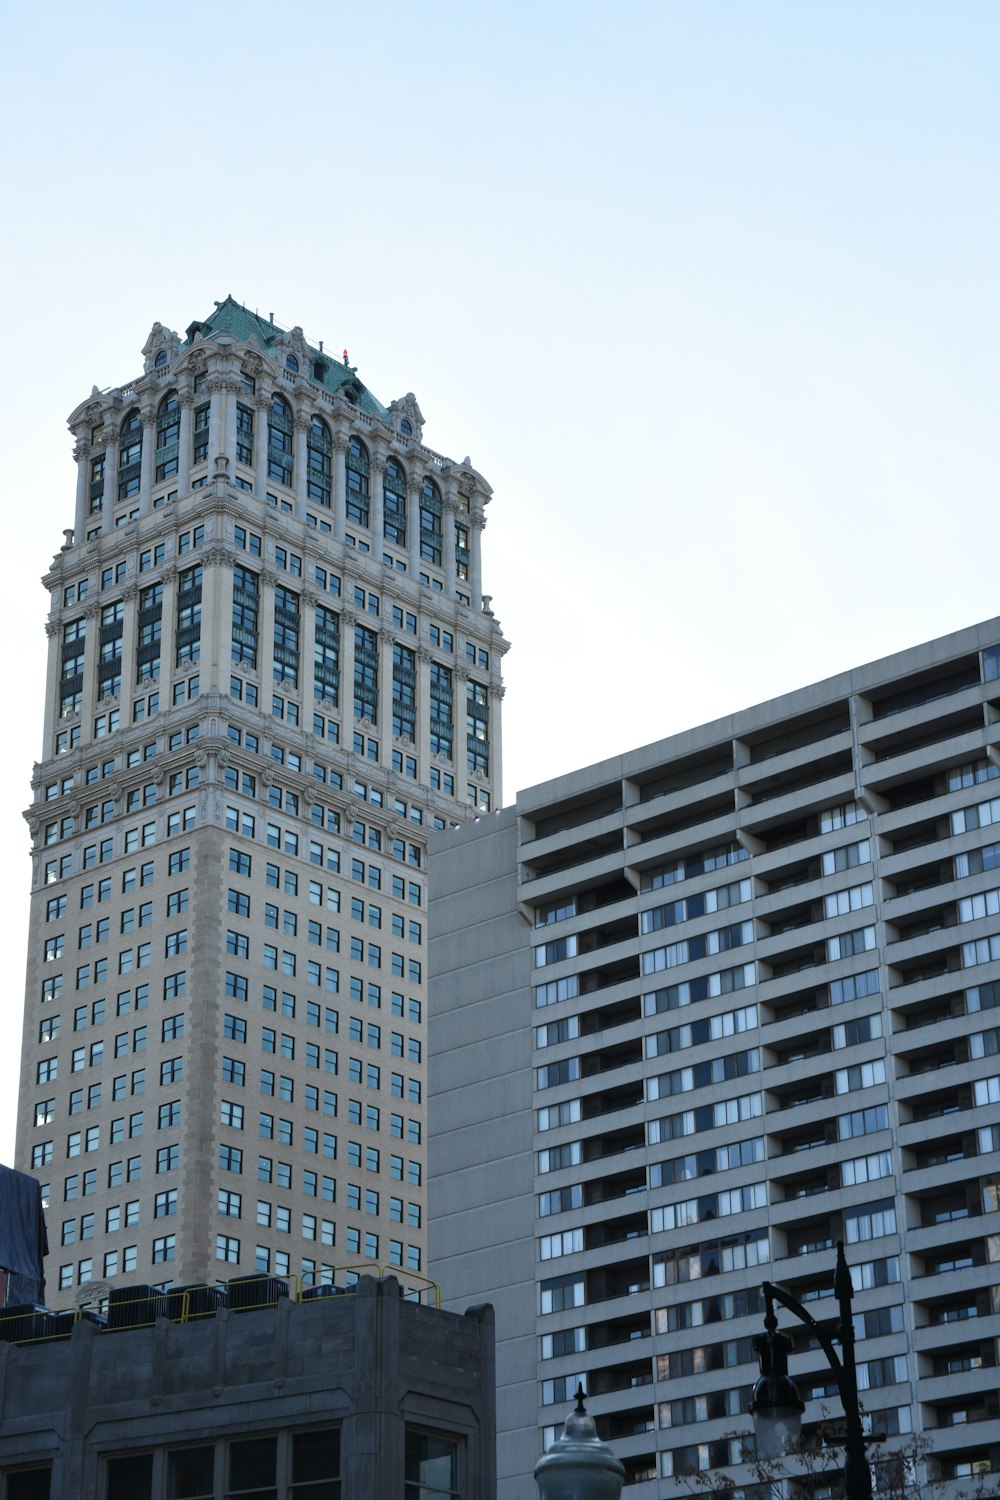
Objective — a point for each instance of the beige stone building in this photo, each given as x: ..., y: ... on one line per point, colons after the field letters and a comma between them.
x: 271, y: 674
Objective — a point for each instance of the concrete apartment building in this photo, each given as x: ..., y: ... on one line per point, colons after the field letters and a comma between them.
x: 700, y: 1012
x: 365, y: 1395
x: 271, y: 674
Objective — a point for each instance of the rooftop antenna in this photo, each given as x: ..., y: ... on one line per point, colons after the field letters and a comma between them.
x: 272, y: 317
x: 345, y: 356
x: 321, y: 346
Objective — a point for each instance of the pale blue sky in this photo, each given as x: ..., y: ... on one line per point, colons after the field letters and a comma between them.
x: 708, y: 291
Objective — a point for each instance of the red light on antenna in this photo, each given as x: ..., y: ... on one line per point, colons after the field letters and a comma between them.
x: 345, y: 356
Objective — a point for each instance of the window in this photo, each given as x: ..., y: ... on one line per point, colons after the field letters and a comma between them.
x: 358, y: 467
x: 279, y: 442
x: 129, y: 455
x: 431, y: 1466
x: 319, y: 461
x: 430, y: 522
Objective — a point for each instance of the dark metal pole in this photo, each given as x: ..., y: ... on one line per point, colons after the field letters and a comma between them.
x: 857, y: 1474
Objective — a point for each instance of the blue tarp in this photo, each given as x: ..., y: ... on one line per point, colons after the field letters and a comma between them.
x: 23, y: 1242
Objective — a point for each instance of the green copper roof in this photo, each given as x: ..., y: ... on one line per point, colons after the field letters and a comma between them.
x: 250, y: 328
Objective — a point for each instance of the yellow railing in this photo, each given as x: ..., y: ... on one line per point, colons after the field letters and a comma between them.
x: 45, y: 1327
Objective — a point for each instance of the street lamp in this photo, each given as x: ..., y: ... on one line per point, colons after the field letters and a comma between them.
x: 578, y: 1466
x: 776, y: 1406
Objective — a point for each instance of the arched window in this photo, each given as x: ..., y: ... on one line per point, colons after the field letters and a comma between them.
x: 291, y: 363
x: 160, y: 360
x: 358, y: 467
x: 168, y: 431
x: 129, y: 455
x: 279, y: 441
x: 320, y: 452
x: 394, y: 490
x: 406, y: 427
x: 430, y: 522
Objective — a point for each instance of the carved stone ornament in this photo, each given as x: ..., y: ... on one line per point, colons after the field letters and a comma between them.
x: 160, y: 338
x: 91, y: 1291
x: 294, y: 342
x: 423, y: 653
x: 81, y: 450
x: 214, y: 557
x: 34, y: 825
x: 223, y: 759
x: 200, y: 758
x: 252, y: 362
x: 198, y: 364
x: 94, y: 414
x: 406, y: 409
x: 51, y: 627
x: 149, y: 417
x: 301, y: 422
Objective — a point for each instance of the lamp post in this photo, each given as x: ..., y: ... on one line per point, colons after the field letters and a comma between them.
x: 776, y: 1406
x: 578, y: 1466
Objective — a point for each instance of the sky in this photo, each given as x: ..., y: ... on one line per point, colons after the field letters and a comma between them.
x: 707, y: 289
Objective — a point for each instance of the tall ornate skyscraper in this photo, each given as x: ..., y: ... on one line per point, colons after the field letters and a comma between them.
x: 270, y: 674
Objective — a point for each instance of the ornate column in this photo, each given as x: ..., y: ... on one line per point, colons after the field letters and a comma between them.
x: 385, y: 644
x: 185, y: 401
x: 423, y: 746
x: 168, y: 628
x: 376, y: 482
x: 110, y: 483
x: 262, y: 405
x: 414, y: 485
x: 459, y: 716
x: 477, y: 523
x: 339, y: 485
x: 82, y: 453
x: 302, y: 425
x: 53, y: 630
x: 93, y: 617
x: 265, y: 648
x: 215, y: 388
x: 233, y: 388
x: 308, y: 600
x: 146, y: 466
x: 216, y: 606
x: 130, y: 641
x: 348, y: 620
x: 451, y: 512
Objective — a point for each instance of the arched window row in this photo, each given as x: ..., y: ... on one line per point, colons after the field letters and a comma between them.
x: 168, y: 431
x: 129, y: 454
x: 397, y: 513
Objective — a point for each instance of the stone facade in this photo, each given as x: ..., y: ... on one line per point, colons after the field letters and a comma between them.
x: 700, y: 1012
x: 272, y: 672
x: 354, y: 1390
